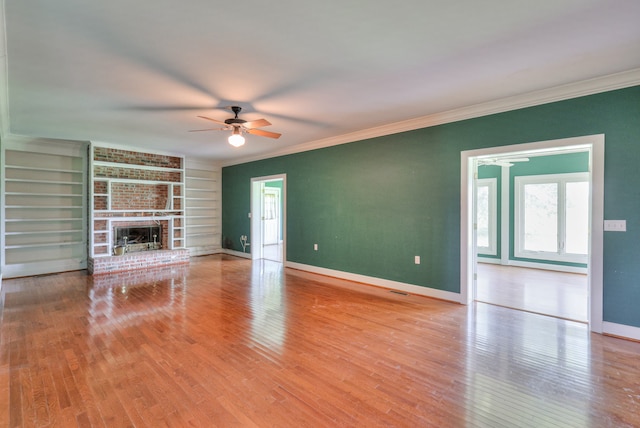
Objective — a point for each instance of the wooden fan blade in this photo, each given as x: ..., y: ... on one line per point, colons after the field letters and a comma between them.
x: 212, y: 120
x: 262, y: 133
x: 256, y: 123
x: 208, y: 129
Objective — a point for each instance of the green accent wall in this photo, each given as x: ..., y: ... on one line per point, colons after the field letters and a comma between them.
x: 372, y: 205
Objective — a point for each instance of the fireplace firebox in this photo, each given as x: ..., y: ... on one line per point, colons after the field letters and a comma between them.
x: 130, y: 239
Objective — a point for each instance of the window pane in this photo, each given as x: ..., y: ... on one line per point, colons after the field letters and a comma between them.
x: 541, y: 217
x: 577, y: 209
x: 482, y: 219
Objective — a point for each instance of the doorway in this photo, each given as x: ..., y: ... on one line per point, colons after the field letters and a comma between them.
x: 268, y: 217
x: 594, y: 145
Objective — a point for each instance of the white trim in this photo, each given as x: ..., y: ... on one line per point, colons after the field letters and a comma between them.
x: 378, y: 282
x: 236, y: 253
x: 488, y: 260
x: 560, y: 255
x: 256, y: 211
x: 505, y: 206
x: 492, y: 199
x: 597, y: 85
x: 43, y: 267
x: 594, y: 143
x: 531, y: 265
x: 621, y: 330
x: 547, y: 266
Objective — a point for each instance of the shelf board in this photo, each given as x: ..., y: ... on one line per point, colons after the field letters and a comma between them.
x: 136, y: 211
x: 44, y: 232
x: 134, y: 166
x: 49, y: 244
x: 19, y: 180
x: 65, y: 195
x: 134, y: 181
x: 54, y: 207
x: 190, y: 235
x: 33, y: 168
x: 48, y: 220
x: 212, y: 180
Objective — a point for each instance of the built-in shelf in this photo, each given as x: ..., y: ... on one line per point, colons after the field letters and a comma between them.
x: 159, y: 195
x: 203, y: 204
x: 44, y: 184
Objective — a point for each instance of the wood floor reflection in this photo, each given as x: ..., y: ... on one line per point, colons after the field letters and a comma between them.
x: 224, y: 342
x: 558, y: 294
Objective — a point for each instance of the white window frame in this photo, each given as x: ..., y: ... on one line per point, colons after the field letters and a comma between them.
x: 492, y: 185
x: 561, y: 180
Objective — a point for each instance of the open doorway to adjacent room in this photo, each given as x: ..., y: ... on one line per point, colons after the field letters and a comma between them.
x: 268, y: 218
x: 534, y: 232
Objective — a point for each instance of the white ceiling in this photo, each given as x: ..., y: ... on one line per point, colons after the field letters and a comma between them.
x: 138, y: 73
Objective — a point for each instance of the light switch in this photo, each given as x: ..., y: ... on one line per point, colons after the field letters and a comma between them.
x: 615, y: 225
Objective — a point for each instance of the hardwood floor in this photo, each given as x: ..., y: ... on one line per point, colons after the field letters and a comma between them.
x: 558, y: 294
x: 223, y: 342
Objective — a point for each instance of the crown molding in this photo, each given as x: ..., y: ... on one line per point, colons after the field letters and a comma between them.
x: 559, y: 93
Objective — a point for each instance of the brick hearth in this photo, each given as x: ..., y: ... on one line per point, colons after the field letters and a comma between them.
x: 140, y: 260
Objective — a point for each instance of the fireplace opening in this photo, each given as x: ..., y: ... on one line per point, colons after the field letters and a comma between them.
x: 130, y: 239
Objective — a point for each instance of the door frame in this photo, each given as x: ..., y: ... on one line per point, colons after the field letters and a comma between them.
x: 594, y: 144
x: 256, y: 215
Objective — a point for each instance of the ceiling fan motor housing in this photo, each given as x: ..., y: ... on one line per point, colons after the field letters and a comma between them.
x: 235, y: 120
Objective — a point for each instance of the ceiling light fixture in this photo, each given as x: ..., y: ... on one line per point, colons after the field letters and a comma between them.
x: 236, y: 139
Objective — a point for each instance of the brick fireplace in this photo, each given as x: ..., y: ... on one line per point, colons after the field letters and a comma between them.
x: 136, y: 194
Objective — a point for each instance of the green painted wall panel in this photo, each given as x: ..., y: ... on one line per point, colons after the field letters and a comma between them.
x: 372, y: 205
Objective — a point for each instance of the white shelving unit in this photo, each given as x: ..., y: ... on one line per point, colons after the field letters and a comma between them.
x: 44, y: 221
x: 203, y: 206
x: 115, y: 191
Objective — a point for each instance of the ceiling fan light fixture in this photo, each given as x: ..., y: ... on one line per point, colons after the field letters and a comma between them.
x: 236, y: 139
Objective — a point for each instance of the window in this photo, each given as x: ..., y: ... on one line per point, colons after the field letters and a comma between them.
x: 486, y: 217
x: 552, y: 217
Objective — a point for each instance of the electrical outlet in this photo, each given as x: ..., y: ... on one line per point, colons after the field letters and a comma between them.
x: 615, y: 225
x: 315, y: 247
x: 417, y: 260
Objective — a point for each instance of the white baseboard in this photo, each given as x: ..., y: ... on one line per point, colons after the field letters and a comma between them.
x: 379, y: 282
x: 42, y: 268
x: 489, y: 261
x: 236, y: 253
x: 621, y: 330
x: 204, y: 251
x: 534, y: 265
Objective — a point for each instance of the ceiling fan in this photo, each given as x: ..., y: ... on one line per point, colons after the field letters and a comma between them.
x: 501, y: 162
x: 239, y: 126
